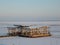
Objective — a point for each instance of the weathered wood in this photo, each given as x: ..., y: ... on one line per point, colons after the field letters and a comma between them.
x: 31, y: 32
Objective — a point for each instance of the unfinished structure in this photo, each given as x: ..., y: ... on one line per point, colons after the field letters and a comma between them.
x: 30, y: 32
x: 35, y: 32
x: 12, y: 31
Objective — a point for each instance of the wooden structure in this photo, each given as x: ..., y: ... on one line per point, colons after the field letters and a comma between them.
x: 12, y: 31
x: 30, y: 32
x: 36, y: 32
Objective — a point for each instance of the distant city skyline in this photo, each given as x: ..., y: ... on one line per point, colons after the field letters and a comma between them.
x: 29, y: 10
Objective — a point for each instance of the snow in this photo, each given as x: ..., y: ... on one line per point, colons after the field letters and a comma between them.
x: 53, y: 40
x: 30, y: 41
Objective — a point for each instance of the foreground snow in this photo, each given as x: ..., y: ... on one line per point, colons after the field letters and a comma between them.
x: 53, y: 40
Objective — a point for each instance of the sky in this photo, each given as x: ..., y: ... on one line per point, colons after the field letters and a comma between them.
x: 29, y: 10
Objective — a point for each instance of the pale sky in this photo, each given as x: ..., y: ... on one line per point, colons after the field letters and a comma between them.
x: 29, y: 10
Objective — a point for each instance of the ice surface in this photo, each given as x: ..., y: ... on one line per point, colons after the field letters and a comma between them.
x: 53, y: 40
